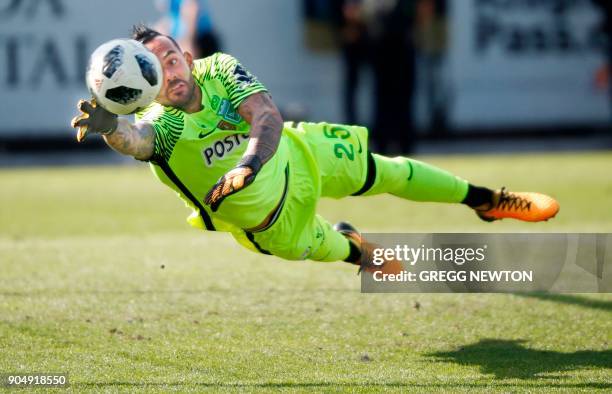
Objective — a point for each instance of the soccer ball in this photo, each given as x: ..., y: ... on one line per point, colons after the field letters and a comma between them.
x: 124, y: 76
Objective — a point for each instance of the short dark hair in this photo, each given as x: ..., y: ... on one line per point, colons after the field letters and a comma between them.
x: 144, y: 34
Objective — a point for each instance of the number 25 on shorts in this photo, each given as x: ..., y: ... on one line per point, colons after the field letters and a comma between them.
x: 340, y: 150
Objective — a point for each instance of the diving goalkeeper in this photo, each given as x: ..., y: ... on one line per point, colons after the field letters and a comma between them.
x: 215, y: 136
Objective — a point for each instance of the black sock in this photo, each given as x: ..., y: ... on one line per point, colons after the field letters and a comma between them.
x: 354, y: 256
x: 477, y: 196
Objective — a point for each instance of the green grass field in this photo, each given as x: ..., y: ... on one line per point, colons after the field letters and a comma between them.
x: 83, y: 291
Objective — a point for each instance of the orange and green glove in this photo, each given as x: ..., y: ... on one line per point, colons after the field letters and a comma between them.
x: 233, y: 181
x: 94, y: 119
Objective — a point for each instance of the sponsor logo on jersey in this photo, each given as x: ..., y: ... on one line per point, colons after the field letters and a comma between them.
x: 222, y: 147
x: 223, y: 125
x: 225, y: 110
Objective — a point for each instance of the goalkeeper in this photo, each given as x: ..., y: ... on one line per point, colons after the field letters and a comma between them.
x: 215, y: 137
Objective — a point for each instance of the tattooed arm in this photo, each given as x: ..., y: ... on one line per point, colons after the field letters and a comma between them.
x: 266, y: 125
x: 258, y: 109
x: 135, y: 140
x: 264, y: 137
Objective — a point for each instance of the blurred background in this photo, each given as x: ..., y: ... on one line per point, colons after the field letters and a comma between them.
x: 427, y: 76
x: 101, y: 277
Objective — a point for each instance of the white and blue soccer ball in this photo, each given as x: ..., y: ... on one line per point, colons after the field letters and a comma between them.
x: 124, y: 76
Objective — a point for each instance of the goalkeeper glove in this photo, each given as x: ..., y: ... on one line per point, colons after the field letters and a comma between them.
x: 94, y: 119
x: 235, y: 180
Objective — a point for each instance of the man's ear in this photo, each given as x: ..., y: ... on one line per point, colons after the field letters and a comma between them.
x: 189, y: 59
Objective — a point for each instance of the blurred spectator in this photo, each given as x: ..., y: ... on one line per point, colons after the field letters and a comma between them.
x: 431, y: 43
x: 390, y: 28
x: 207, y: 40
x: 190, y: 24
x: 354, y: 41
x: 606, y: 8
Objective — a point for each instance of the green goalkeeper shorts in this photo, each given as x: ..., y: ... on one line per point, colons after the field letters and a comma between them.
x: 326, y: 160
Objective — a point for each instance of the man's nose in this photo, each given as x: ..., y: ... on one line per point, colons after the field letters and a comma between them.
x: 169, y: 76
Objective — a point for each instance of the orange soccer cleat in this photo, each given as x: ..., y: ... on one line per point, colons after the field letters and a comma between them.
x: 526, y: 206
x: 366, y: 262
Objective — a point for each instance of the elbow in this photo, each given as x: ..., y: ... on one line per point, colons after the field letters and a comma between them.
x: 278, y: 117
x: 271, y: 121
x: 279, y: 120
x: 273, y: 116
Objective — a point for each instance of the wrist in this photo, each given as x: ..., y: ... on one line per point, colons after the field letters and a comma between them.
x: 114, y: 124
x: 251, y: 161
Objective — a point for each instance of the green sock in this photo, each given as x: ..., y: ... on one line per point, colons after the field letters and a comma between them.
x: 416, y: 181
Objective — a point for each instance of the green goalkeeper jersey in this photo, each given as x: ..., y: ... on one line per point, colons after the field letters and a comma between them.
x: 192, y: 151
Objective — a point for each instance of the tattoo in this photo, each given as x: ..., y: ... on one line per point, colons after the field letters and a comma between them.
x: 266, y: 125
x: 258, y: 109
x: 133, y: 140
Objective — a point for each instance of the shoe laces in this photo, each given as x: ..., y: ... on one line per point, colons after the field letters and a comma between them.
x: 511, y: 201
